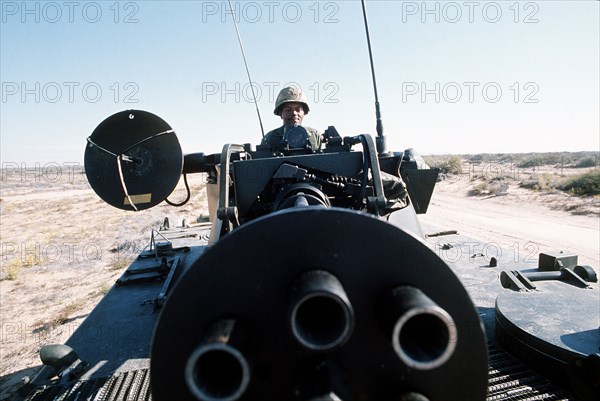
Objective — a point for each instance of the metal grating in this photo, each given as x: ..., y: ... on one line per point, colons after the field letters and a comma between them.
x: 126, y: 386
x: 509, y: 380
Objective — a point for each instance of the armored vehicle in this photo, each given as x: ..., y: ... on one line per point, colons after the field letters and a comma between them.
x: 312, y: 279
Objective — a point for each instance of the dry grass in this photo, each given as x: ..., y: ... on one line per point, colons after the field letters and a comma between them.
x: 66, y: 312
x: 103, y: 289
x: 488, y: 188
x: 559, y: 180
x: 12, y: 269
x: 120, y: 263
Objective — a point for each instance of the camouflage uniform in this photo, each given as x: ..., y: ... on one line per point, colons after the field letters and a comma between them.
x: 273, y: 138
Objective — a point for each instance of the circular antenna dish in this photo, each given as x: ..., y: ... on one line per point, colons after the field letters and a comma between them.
x: 133, y: 160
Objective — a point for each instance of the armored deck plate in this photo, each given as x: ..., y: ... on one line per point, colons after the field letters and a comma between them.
x: 554, y: 328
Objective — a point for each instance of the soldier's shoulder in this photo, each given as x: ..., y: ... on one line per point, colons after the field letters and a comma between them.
x: 312, y: 130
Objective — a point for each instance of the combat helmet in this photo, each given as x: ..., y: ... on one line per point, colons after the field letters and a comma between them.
x: 290, y: 94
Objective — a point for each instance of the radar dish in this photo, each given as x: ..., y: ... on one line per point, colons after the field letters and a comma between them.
x: 133, y: 160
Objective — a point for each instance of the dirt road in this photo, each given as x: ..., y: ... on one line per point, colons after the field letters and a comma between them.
x: 521, y: 221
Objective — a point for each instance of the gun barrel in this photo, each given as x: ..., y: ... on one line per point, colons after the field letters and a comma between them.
x: 423, y: 334
x: 322, y: 317
x: 218, y: 370
x: 311, y: 288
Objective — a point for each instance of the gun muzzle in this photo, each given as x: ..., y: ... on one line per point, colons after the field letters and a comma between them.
x: 321, y: 317
x: 423, y: 334
x: 218, y: 370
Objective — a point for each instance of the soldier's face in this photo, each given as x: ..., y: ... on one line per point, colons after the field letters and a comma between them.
x: 292, y: 113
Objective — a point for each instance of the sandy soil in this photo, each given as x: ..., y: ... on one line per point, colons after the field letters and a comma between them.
x: 62, y: 248
x: 521, y: 221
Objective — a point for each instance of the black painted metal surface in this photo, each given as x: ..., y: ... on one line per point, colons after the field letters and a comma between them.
x: 248, y: 275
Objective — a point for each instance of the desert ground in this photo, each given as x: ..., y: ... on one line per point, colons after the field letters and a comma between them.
x: 63, y: 247
x: 521, y: 221
x: 62, y: 250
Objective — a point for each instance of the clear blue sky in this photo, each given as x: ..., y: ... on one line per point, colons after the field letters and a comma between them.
x: 453, y: 77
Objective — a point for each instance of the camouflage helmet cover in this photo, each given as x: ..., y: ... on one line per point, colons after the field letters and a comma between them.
x: 290, y: 94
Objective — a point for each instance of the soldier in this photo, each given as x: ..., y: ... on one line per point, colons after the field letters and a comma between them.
x: 291, y: 106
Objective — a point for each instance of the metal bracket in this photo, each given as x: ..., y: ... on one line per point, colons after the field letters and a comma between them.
x: 226, y: 213
x: 523, y: 281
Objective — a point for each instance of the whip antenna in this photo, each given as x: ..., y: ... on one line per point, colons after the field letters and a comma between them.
x: 380, y: 137
x: 237, y: 31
